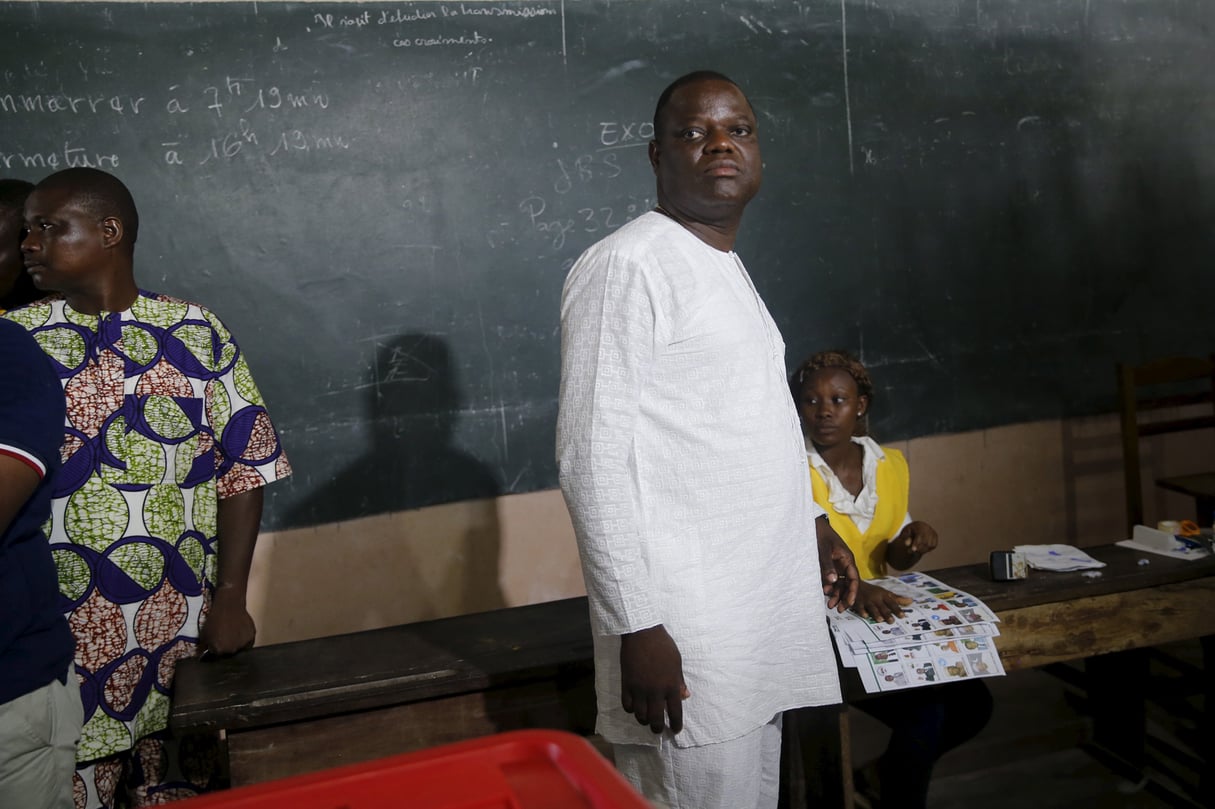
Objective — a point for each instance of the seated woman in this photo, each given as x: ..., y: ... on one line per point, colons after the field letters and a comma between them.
x: 864, y: 489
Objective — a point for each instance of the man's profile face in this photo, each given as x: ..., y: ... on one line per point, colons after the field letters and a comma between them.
x: 11, y: 265
x: 63, y: 243
x: 706, y: 152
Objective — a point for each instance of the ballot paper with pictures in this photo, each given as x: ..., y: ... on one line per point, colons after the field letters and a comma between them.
x: 944, y: 635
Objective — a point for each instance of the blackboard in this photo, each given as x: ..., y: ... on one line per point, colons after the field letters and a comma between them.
x: 993, y: 201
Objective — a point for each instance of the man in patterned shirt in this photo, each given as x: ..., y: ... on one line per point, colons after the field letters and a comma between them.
x: 682, y: 463
x: 167, y: 447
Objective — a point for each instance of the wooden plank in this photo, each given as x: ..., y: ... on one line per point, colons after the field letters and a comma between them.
x: 326, y: 676
x: 1059, y: 631
x: 1125, y: 570
x: 1084, y: 627
x: 1175, y: 425
x: 278, y: 751
x: 1201, y: 485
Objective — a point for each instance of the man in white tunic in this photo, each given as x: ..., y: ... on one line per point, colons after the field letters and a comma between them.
x: 683, y: 466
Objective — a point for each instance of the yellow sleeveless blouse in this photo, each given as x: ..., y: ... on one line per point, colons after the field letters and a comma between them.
x: 893, y: 485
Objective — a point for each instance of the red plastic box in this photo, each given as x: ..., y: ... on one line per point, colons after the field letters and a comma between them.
x: 525, y: 769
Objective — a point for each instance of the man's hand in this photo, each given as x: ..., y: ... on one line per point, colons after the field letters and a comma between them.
x: 879, y: 604
x: 840, y: 576
x: 229, y: 627
x: 651, y: 678
x: 916, y: 539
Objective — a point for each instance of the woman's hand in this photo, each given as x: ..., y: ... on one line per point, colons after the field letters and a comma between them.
x: 916, y: 539
x: 879, y: 604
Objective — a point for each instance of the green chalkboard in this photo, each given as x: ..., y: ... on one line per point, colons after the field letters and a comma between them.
x: 992, y: 200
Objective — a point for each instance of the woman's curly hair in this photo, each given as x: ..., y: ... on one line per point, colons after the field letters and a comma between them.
x: 845, y: 362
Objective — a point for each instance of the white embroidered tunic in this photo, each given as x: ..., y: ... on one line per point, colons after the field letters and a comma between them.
x: 683, y: 467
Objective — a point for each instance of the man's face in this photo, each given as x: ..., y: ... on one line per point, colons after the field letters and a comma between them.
x: 63, y: 243
x: 706, y: 153
x: 11, y: 265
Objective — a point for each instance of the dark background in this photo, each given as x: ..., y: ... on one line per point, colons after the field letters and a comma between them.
x: 992, y: 202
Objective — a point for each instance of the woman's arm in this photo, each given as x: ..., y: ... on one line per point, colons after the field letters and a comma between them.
x: 916, y: 539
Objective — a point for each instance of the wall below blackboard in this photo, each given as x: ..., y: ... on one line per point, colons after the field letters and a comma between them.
x: 992, y: 202
x: 1056, y: 481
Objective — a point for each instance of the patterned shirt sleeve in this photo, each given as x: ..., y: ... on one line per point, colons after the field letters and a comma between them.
x: 609, y: 328
x: 248, y: 451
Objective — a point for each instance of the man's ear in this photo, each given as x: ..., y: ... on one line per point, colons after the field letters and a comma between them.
x: 111, y: 231
x: 654, y: 155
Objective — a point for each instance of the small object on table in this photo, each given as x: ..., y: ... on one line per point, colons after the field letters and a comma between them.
x: 1181, y: 545
x: 1008, y: 566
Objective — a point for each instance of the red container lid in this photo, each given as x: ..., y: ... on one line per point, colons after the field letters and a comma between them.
x: 525, y: 769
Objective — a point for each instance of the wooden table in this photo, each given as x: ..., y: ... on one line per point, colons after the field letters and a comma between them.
x: 304, y: 706
x: 1139, y: 600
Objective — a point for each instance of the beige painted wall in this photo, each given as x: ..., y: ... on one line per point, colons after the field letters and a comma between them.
x: 1050, y: 481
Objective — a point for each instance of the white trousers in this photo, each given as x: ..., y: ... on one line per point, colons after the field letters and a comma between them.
x: 38, y: 733
x: 743, y: 773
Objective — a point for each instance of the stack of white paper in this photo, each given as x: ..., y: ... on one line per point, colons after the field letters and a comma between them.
x: 944, y: 635
x: 1059, y: 558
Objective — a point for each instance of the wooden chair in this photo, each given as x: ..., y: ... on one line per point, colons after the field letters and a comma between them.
x: 1165, y: 383
x: 1117, y: 683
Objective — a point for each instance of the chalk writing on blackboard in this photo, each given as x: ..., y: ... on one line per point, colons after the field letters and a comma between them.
x: 253, y: 118
x: 398, y: 16
x: 474, y: 38
x: 990, y: 187
x: 85, y: 104
x: 623, y: 134
x: 597, y: 220
x: 70, y: 156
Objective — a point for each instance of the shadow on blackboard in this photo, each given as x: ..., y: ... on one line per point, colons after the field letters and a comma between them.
x: 412, y: 401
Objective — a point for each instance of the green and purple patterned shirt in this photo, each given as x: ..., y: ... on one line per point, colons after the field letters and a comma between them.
x: 163, y: 421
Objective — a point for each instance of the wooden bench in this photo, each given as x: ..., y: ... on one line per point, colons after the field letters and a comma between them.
x: 312, y: 704
x: 304, y: 706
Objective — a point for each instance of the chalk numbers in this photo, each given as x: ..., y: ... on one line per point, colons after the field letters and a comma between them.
x: 240, y: 97
x: 593, y: 221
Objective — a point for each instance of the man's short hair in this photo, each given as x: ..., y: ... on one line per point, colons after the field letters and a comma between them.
x: 14, y: 192
x: 101, y: 194
x: 687, y: 78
